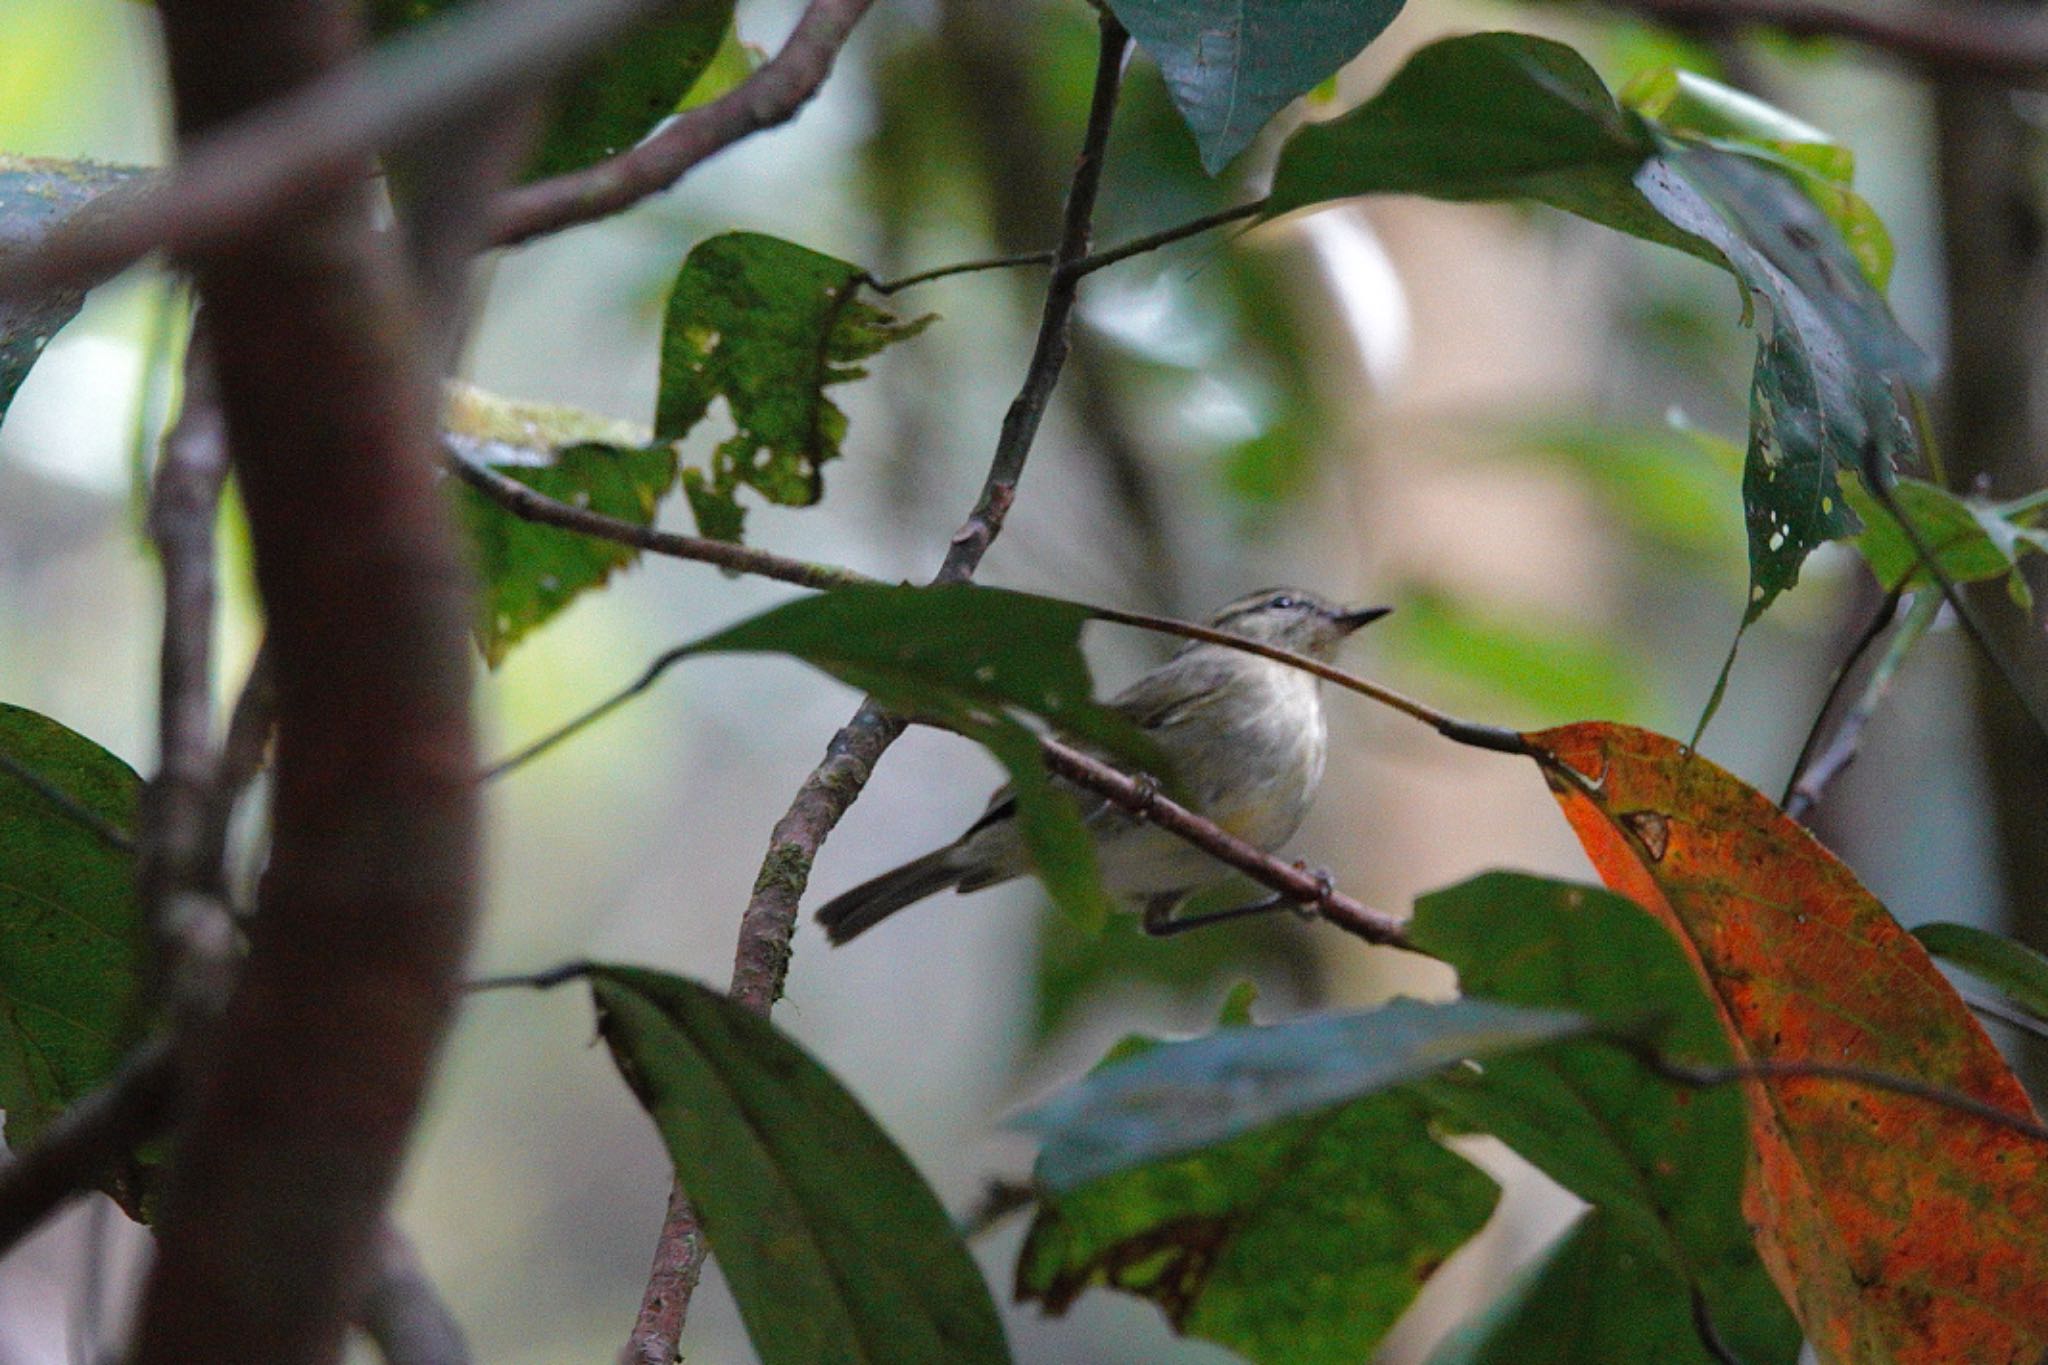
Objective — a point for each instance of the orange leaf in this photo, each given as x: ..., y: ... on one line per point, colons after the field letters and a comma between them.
x: 1899, y: 1231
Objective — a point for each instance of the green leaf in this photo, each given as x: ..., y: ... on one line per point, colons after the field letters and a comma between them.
x: 1230, y: 65
x: 1488, y: 117
x: 768, y: 326
x: 1586, y: 1302
x: 1704, y: 110
x: 1665, y: 1166
x: 616, y: 99
x: 530, y: 572
x: 835, y: 1247
x: 1503, y: 115
x: 36, y: 194
x: 72, y: 942
x: 2018, y: 972
x: 1298, y: 1244
x: 967, y: 657
x: 1182, y: 1097
x: 1971, y: 540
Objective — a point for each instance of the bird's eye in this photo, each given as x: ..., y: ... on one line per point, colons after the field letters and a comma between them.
x: 1283, y: 603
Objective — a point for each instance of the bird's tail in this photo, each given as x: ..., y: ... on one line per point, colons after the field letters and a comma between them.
x: 871, y: 902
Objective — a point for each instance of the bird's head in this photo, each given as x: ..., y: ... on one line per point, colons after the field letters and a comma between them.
x: 1296, y: 620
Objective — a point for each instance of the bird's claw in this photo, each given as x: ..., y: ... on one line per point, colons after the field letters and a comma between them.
x: 1326, y: 887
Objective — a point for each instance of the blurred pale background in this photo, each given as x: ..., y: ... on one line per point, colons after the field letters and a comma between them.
x: 1461, y: 410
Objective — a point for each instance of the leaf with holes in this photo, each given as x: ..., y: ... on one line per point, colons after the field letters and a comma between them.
x: 1508, y: 116
x: 72, y: 942
x: 1663, y: 1166
x: 36, y: 194
x: 1899, y: 1233
x: 835, y: 1247
x: 1299, y: 1243
x: 1230, y: 65
x: 967, y: 658
x: 530, y: 572
x: 618, y: 97
x: 768, y: 326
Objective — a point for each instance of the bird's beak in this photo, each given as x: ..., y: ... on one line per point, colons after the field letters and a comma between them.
x: 1348, y: 621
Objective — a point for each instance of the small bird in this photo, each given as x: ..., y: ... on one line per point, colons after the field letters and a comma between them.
x: 1245, y: 736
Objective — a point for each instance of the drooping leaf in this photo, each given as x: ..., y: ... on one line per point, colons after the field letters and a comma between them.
x: 1704, y: 110
x: 530, y: 572
x: 1182, y: 1097
x: 768, y: 326
x: 1502, y: 115
x: 1970, y: 539
x: 2016, y: 970
x: 1231, y: 65
x: 1665, y: 1167
x: 615, y: 99
x: 1300, y: 1243
x: 1488, y: 117
x: 1587, y: 1301
x: 967, y: 657
x: 835, y: 1247
x: 1899, y: 1232
x: 36, y: 194
x: 72, y: 941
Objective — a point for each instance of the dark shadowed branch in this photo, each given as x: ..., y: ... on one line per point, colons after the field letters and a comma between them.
x: 772, y: 95
x: 1987, y: 40
x: 404, y: 1316
x: 272, y: 1208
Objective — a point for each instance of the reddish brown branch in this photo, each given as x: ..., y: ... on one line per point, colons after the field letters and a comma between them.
x: 299, y: 1115
x: 771, y: 96
x: 1304, y: 888
x: 87, y: 1143
x: 1982, y: 40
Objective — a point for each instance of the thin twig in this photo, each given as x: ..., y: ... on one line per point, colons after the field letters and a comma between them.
x: 1311, y: 892
x: 87, y: 1142
x: 770, y: 96
x: 1086, y: 265
x: 761, y: 960
x: 1137, y: 246
x: 1813, y: 781
x: 1709, y: 1077
x: 960, y: 268
x: 1885, y: 612
x: 404, y: 1315
x: 1980, y: 41
x: 530, y: 504
x: 67, y: 805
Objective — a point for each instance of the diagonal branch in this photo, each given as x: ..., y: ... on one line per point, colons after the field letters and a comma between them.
x: 762, y: 958
x: 1983, y: 40
x: 771, y: 96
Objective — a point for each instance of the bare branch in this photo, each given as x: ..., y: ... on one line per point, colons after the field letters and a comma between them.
x: 1811, y: 781
x: 404, y: 1315
x: 772, y: 95
x: 1982, y: 40
x: 529, y: 504
x: 1298, y: 885
x: 1886, y: 612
